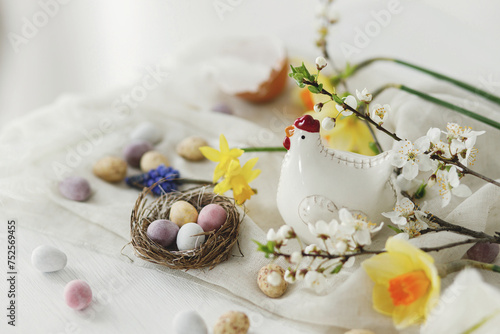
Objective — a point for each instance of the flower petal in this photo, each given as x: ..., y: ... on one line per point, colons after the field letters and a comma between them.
x: 410, y: 171
x: 461, y: 191
x: 210, y: 153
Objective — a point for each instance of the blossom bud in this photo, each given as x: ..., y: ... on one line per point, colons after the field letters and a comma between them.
x: 328, y: 123
x: 318, y: 107
x: 320, y: 63
x: 432, y: 180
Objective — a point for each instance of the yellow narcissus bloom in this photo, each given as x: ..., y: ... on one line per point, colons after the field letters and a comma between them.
x: 349, y: 134
x: 224, y: 157
x: 407, y: 283
x: 238, y: 179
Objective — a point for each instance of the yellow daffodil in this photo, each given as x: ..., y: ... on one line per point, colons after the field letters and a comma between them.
x: 224, y: 157
x: 238, y: 178
x: 349, y: 134
x: 406, y: 282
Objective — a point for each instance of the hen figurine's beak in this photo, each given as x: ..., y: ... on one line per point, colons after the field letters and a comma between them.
x: 289, y: 132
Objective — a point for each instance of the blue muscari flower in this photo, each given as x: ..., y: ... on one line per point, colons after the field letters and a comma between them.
x: 169, y: 183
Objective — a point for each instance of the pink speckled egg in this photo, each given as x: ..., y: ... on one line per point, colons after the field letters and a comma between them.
x: 75, y: 188
x: 133, y: 152
x: 78, y: 294
x: 212, y: 217
x: 163, y: 232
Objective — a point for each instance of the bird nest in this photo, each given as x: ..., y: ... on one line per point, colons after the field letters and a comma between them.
x: 217, y: 246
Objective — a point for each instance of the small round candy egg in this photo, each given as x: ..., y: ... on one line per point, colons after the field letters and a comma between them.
x: 163, y: 232
x: 146, y: 131
x: 232, y: 322
x: 189, y: 148
x: 189, y: 322
x: 273, y: 291
x: 187, y: 239
x: 483, y: 252
x: 77, y: 294
x: 75, y: 188
x: 110, y: 169
x: 152, y: 159
x: 182, y: 213
x: 223, y: 108
x: 134, y: 151
x: 212, y: 217
x: 48, y: 259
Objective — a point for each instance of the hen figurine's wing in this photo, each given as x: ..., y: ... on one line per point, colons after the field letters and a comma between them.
x: 316, y: 207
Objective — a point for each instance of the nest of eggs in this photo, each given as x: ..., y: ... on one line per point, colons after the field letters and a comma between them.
x: 217, y: 246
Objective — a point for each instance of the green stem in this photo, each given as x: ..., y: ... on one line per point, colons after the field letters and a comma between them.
x: 448, y: 105
x: 458, y: 83
x: 454, y: 266
x: 264, y: 149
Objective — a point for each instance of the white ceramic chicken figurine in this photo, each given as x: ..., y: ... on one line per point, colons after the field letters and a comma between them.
x: 316, y: 181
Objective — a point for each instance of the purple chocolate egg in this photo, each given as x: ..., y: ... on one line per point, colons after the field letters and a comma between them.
x: 134, y: 151
x: 212, y: 217
x: 163, y: 232
x: 75, y: 188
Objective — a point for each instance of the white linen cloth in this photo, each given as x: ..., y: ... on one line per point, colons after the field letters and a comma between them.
x: 31, y: 145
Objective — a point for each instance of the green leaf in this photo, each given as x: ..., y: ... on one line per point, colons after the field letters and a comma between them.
x: 420, y: 193
x: 337, y: 269
x: 337, y: 99
x: 395, y: 229
x: 348, y: 71
x: 313, y: 89
x: 373, y: 147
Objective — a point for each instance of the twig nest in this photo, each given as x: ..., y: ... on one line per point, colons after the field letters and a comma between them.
x: 48, y: 259
x: 75, y: 188
x: 359, y: 331
x: 134, y: 151
x: 163, y: 232
x: 182, y: 213
x: 267, y: 275
x: 77, y: 294
x: 152, y: 159
x: 189, y: 238
x: 218, y: 244
x: 189, y: 322
x: 232, y: 322
x: 189, y: 148
x: 110, y: 169
x: 146, y: 131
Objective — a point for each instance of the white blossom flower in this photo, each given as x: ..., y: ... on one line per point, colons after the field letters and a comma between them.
x: 360, y: 229
x: 276, y: 237
x: 406, y: 185
x: 412, y: 157
x: 351, y: 102
x: 350, y: 262
x: 378, y: 112
x: 296, y: 257
x: 318, y: 107
x: 364, y: 95
x: 321, y: 63
x: 449, y: 184
x: 328, y: 123
x: 274, y: 278
x: 315, y: 281
x: 321, y: 230
x: 403, y: 210
x: 286, y: 232
x: 312, y: 249
x: 301, y: 274
x: 462, y: 141
x: 289, y: 276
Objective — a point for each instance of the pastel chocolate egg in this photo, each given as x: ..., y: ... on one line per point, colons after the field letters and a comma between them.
x: 152, y: 159
x: 110, y: 169
x: 48, y: 259
x: 483, y: 252
x: 232, y: 322
x: 223, y: 108
x: 146, y: 131
x: 189, y: 148
x: 189, y: 322
x: 134, y: 151
x: 163, y: 232
x: 75, y: 188
x: 77, y: 294
x: 182, y: 213
x: 212, y: 217
x: 273, y: 291
x: 187, y: 239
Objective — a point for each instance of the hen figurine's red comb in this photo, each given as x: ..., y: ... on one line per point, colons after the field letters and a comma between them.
x: 307, y: 123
